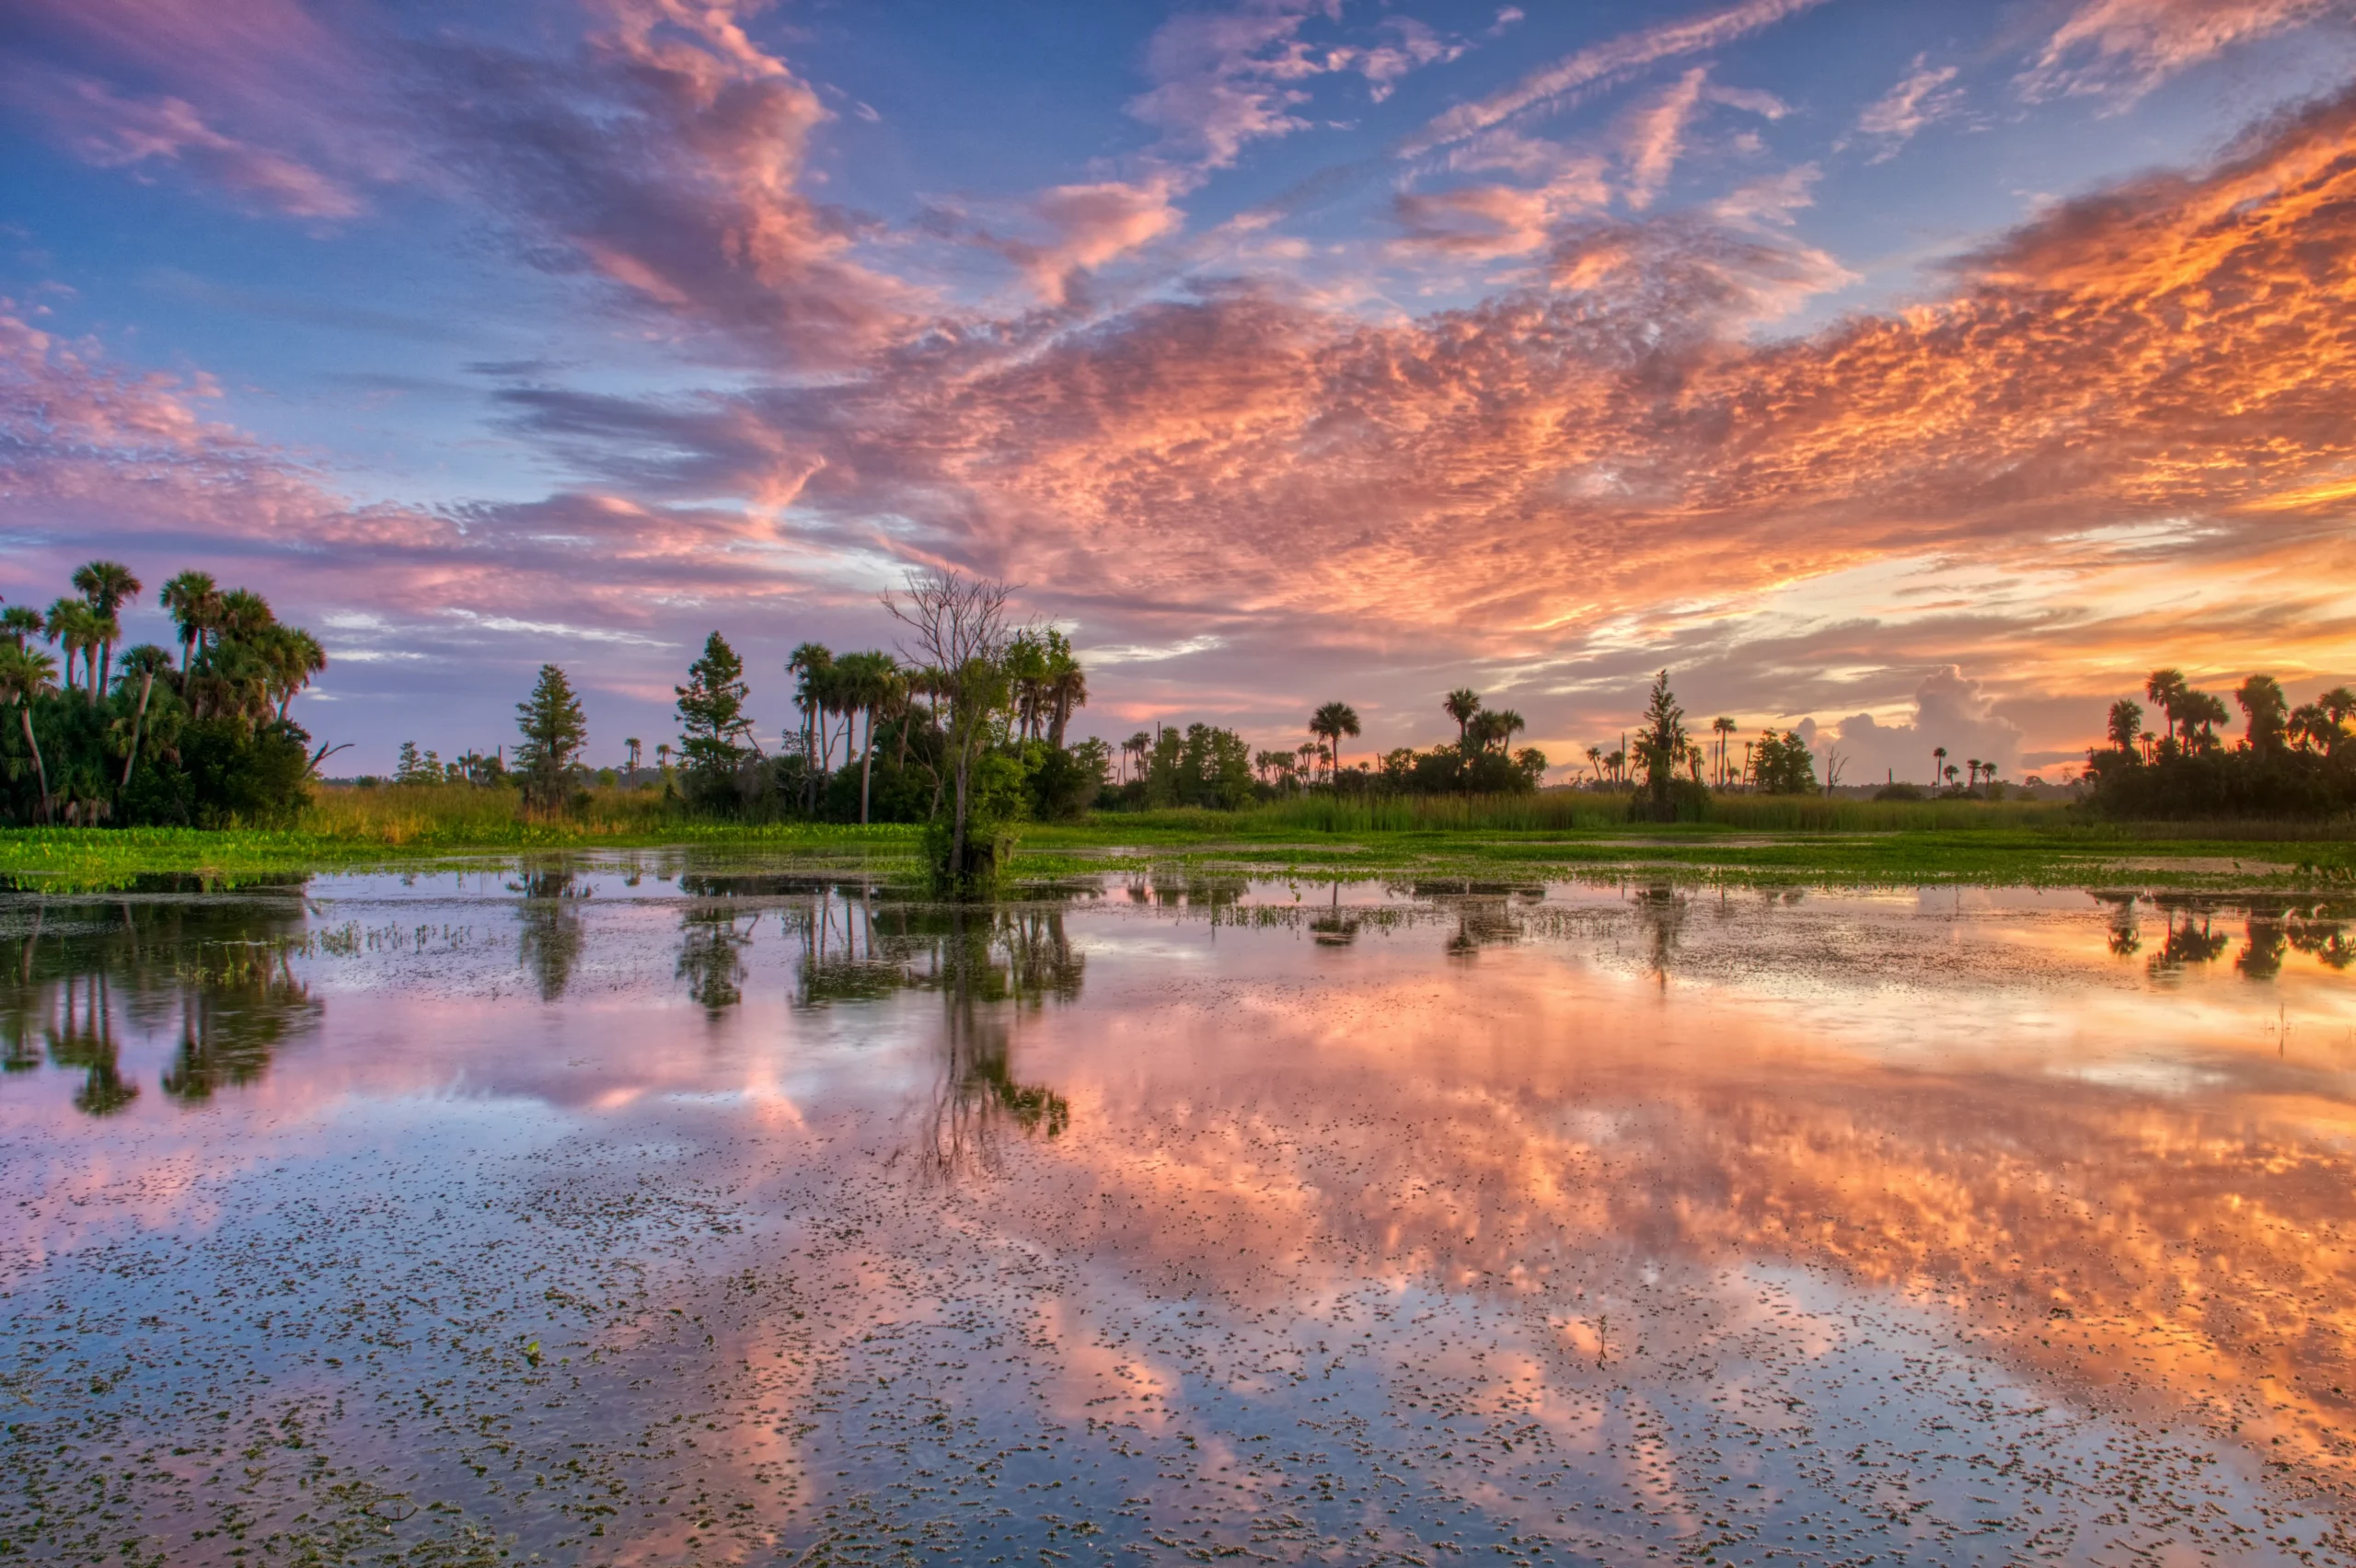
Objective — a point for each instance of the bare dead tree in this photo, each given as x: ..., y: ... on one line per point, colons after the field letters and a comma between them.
x: 957, y: 626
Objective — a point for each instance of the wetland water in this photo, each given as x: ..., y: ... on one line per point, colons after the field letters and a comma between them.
x: 624, y: 1214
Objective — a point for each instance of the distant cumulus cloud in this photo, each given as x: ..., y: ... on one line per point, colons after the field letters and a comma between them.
x: 1950, y: 710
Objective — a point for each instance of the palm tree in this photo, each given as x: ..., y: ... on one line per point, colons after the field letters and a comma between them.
x: 106, y: 584
x: 1971, y: 774
x: 1138, y: 744
x: 293, y: 656
x: 2167, y: 688
x: 1066, y: 689
x: 2263, y: 704
x: 1505, y: 723
x: 76, y: 630
x: 144, y: 661
x: 1334, y: 720
x: 1722, y: 727
x: 630, y: 745
x: 1939, y: 761
x: 193, y: 601
x: 245, y: 613
x: 19, y: 622
x: 809, y: 664
x: 663, y: 758
x: 865, y: 685
x: 26, y: 675
x: 1460, y: 705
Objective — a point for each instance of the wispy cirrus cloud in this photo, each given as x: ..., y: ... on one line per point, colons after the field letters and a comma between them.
x: 2122, y: 49
x: 1919, y: 98
x: 1613, y: 60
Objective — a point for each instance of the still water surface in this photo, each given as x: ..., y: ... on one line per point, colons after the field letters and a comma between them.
x: 618, y: 1213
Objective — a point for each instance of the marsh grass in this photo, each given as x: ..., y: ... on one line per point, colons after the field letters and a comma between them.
x: 400, y: 815
x: 1578, y: 810
x: 1787, y: 838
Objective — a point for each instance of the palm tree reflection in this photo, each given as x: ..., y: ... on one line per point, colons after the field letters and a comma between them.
x: 76, y: 978
x: 2191, y: 938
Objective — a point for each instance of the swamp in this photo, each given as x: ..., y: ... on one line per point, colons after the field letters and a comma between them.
x: 664, y: 1206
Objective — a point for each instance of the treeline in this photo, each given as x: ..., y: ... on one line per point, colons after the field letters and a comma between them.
x: 201, y: 739
x: 2290, y: 761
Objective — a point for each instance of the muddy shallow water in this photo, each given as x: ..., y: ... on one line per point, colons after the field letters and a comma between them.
x: 622, y: 1212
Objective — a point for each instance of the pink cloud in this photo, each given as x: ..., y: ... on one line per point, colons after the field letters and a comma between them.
x: 1222, y: 79
x: 1919, y: 98
x: 113, y: 131
x: 1089, y: 226
x: 2125, y: 48
x: 1654, y: 136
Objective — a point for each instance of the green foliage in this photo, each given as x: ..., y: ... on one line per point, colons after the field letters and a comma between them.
x: 1661, y: 748
x: 2295, y: 764
x: 1781, y: 764
x: 1063, y: 782
x: 715, y: 734
x: 554, y: 731
x: 237, y: 774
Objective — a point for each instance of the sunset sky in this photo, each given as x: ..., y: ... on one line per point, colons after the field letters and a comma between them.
x: 1925, y: 369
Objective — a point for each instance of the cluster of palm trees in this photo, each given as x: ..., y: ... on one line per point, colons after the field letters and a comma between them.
x: 2291, y: 761
x: 1036, y: 684
x: 1046, y: 683
x: 2192, y: 718
x: 870, y: 686
x: 236, y: 660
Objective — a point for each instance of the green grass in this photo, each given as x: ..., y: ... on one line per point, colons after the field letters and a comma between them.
x: 1805, y: 839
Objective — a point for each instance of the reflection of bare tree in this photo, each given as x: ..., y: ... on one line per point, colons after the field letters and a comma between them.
x: 990, y: 965
x: 549, y: 942
x: 981, y: 996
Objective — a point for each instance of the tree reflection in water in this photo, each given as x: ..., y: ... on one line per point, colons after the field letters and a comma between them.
x: 990, y: 965
x: 1660, y: 918
x: 76, y: 974
x: 1487, y: 913
x: 548, y: 942
x: 2125, y: 938
x: 2191, y: 938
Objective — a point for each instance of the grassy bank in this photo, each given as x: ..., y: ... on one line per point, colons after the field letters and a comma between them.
x: 1515, y: 837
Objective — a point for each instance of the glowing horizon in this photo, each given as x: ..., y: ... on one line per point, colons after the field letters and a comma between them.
x: 1920, y: 378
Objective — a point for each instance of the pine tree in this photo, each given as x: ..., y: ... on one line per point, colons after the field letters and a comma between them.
x: 1660, y: 745
x: 554, y: 732
x: 715, y: 735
